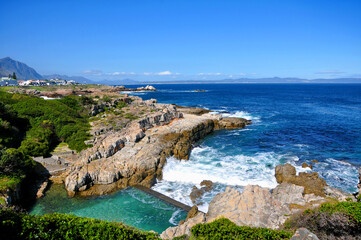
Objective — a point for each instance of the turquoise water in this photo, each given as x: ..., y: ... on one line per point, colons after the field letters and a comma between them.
x: 130, y: 206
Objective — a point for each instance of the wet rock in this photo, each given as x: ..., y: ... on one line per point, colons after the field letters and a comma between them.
x: 304, y: 234
x: 305, y: 165
x: 315, y: 161
x: 232, y: 123
x: 197, y: 193
x: 183, y: 229
x: 192, y: 213
x: 310, y: 181
x: 207, y: 185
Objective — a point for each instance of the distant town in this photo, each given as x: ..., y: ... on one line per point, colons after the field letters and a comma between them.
x: 12, y: 81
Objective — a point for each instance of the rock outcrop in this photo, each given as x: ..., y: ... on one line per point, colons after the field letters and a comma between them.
x: 262, y: 207
x: 310, y: 181
x: 304, y: 234
x: 137, y: 153
x: 255, y: 206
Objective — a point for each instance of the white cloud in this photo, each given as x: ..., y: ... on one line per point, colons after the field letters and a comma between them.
x: 164, y: 73
x: 92, y: 72
x: 209, y: 74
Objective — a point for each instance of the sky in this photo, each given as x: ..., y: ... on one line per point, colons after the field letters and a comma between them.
x: 184, y: 39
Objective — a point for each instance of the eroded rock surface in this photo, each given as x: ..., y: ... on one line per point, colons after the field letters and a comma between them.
x: 262, y: 207
x: 137, y: 153
x: 310, y: 181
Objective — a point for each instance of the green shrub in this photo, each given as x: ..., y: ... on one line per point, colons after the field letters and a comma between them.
x: 130, y: 116
x: 121, y: 104
x: 352, y: 209
x: 225, y: 229
x: 106, y: 99
x: 51, y: 122
x: 61, y: 226
x: 330, y: 220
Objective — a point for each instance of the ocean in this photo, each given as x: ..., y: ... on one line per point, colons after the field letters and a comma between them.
x: 291, y: 123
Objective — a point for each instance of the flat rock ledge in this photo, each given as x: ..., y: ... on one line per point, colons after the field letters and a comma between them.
x: 261, y: 207
x: 136, y: 154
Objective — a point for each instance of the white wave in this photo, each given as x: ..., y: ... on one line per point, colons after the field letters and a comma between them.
x: 209, y: 164
x: 338, y: 174
x: 243, y: 114
x: 173, y: 219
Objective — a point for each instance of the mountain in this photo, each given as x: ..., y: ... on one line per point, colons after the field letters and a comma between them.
x: 78, y: 79
x: 22, y: 71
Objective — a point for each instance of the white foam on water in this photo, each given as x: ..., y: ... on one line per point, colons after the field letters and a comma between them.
x: 173, y: 219
x: 338, y: 174
x: 243, y: 114
x: 207, y: 163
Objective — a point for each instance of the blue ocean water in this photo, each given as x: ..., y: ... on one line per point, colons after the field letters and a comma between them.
x: 292, y: 123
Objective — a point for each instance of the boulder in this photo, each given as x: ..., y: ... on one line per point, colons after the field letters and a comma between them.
x: 305, y: 165
x: 192, y: 213
x: 304, y: 234
x: 310, y: 181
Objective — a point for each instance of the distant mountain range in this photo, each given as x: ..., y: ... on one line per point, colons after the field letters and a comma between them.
x: 263, y: 80
x: 24, y: 72
x: 78, y: 79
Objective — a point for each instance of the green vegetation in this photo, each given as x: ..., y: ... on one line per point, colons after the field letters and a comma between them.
x: 130, y: 116
x: 225, y: 229
x: 330, y: 220
x: 48, y: 122
x: 121, y: 104
x: 60, y: 226
x: 351, y: 209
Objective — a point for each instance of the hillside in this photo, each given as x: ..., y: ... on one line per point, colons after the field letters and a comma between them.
x: 22, y: 71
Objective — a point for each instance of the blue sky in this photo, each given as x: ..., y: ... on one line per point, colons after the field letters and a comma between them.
x: 180, y: 39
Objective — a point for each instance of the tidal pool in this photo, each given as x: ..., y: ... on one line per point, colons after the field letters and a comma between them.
x: 130, y: 206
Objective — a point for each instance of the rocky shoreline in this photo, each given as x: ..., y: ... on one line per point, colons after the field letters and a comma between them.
x: 132, y: 151
x: 263, y: 207
x: 136, y: 154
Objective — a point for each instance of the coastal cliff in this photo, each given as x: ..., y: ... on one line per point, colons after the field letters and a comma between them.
x: 137, y: 153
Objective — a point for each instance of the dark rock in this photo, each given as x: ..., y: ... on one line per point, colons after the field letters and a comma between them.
x: 207, y: 185
x: 192, y: 213
x: 196, y: 194
x: 304, y: 234
x: 305, y: 165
